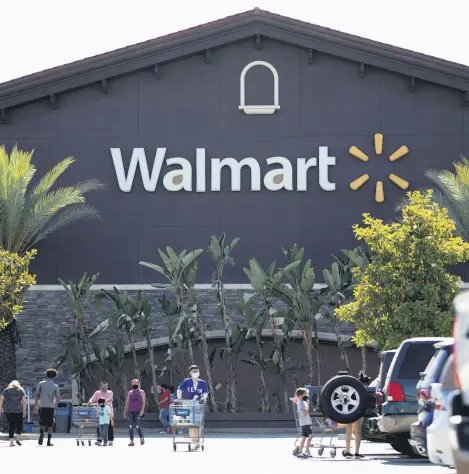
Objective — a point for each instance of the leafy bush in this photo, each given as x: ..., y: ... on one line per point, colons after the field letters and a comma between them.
x: 14, y: 281
x: 406, y: 290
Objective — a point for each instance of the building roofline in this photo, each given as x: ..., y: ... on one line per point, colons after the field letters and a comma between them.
x: 228, y: 30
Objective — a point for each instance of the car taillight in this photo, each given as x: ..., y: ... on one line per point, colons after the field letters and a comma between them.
x: 455, y: 361
x: 395, y: 393
x: 424, y: 394
x: 379, y: 398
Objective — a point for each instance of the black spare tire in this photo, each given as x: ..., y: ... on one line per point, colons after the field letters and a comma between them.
x: 343, y: 399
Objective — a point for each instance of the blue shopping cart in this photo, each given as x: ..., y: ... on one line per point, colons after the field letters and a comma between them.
x: 85, y: 418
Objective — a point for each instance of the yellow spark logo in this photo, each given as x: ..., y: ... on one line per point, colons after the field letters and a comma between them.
x: 361, y: 180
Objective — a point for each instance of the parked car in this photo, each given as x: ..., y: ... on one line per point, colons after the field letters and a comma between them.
x: 399, y: 410
x: 438, y: 445
x: 459, y: 403
x: 371, y: 431
x: 432, y: 373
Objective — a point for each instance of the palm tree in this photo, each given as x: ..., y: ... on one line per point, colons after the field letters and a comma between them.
x: 451, y: 192
x: 28, y: 214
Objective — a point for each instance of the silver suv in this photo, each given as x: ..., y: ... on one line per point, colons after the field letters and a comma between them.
x: 459, y: 405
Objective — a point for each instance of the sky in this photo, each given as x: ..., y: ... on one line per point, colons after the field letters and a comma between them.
x: 39, y: 35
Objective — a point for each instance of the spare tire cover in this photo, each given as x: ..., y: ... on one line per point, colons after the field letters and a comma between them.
x: 343, y: 399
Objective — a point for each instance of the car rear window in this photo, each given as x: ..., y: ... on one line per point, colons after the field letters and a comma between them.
x: 417, y: 357
x: 436, y: 365
x: 447, y: 376
x: 385, y: 364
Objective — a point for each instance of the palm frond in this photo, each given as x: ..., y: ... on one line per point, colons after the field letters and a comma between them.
x: 64, y: 217
x: 50, y: 178
x: 452, y: 193
x: 89, y: 185
x: 26, y: 218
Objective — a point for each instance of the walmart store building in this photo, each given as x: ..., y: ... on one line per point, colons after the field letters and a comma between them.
x: 266, y: 128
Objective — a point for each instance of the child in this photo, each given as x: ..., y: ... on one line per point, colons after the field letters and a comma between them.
x: 304, y: 422
x: 105, y: 419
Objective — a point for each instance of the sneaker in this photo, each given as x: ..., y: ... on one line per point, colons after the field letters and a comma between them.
x: 131, y: 443
x: 142, y: 441
x: 347, y: 455
x: 162, y: 432
x: 105, y: 444
x: 302, y: 456
x: 98, y: 443
x: 111, y: 443
x: 308, y: 453
x: 195, y: 446
x: 41, y: 439
x: 359, y: 456
x: 49, y: 444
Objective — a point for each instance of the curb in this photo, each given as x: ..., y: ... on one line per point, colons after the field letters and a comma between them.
x: 234, y: 431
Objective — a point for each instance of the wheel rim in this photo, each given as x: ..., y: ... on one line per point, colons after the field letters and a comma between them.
x: 345, y: 400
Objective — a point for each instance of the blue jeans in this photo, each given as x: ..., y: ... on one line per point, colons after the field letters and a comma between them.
x: 103, y: 431
x: 134, y: 422
x: 164, y: 418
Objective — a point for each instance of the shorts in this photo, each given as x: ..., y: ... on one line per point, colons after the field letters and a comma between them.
x: 46, y: 417
x: 306, y: 431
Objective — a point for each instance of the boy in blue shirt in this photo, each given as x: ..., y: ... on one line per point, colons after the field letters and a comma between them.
x: 193, y: 388
x: 105, y: 418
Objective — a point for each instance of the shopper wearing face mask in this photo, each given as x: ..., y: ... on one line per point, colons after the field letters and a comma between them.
x: 193, y: 388
x: 108, y: 398
x: 134, y: 409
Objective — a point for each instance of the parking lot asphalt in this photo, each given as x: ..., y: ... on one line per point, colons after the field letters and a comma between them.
x: 223, y: 453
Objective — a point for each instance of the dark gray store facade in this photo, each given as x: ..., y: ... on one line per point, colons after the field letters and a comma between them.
x: 180, y: 96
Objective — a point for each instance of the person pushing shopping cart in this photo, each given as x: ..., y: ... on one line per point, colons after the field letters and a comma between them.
x: 193, y: 388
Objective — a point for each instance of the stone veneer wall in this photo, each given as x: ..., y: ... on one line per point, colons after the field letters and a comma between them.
x: 47, y: 319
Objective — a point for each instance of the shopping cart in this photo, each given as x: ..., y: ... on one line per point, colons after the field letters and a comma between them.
x: 327, y: 428
x: 85, y: 418
x: 187, y: 415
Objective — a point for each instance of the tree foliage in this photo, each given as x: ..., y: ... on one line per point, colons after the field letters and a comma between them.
x: 15, y: 279
x: 451, y: 191
x: 29, y: 215
x: 406, y: 291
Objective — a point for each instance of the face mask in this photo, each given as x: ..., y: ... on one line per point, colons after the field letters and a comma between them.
x: 101, y: 405
x: 305, y: 398
x: 135, y: 386
x: 195, y: 375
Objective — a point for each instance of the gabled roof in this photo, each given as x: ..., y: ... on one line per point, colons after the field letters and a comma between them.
x: 227, y: 30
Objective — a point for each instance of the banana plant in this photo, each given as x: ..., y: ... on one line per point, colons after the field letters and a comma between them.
x: 266, y: 284
x: 77, y: 294
x: 221, y: 251
x: 338, y: 280
x: 114, y: 351
x: 172, y: 360
x: 231, y: 352
x: 181, y: 271
x: 196, y: 310
x: 255, y: 324
x: 148, y: 324
x: 173, y: 269
x: 304, y: 302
